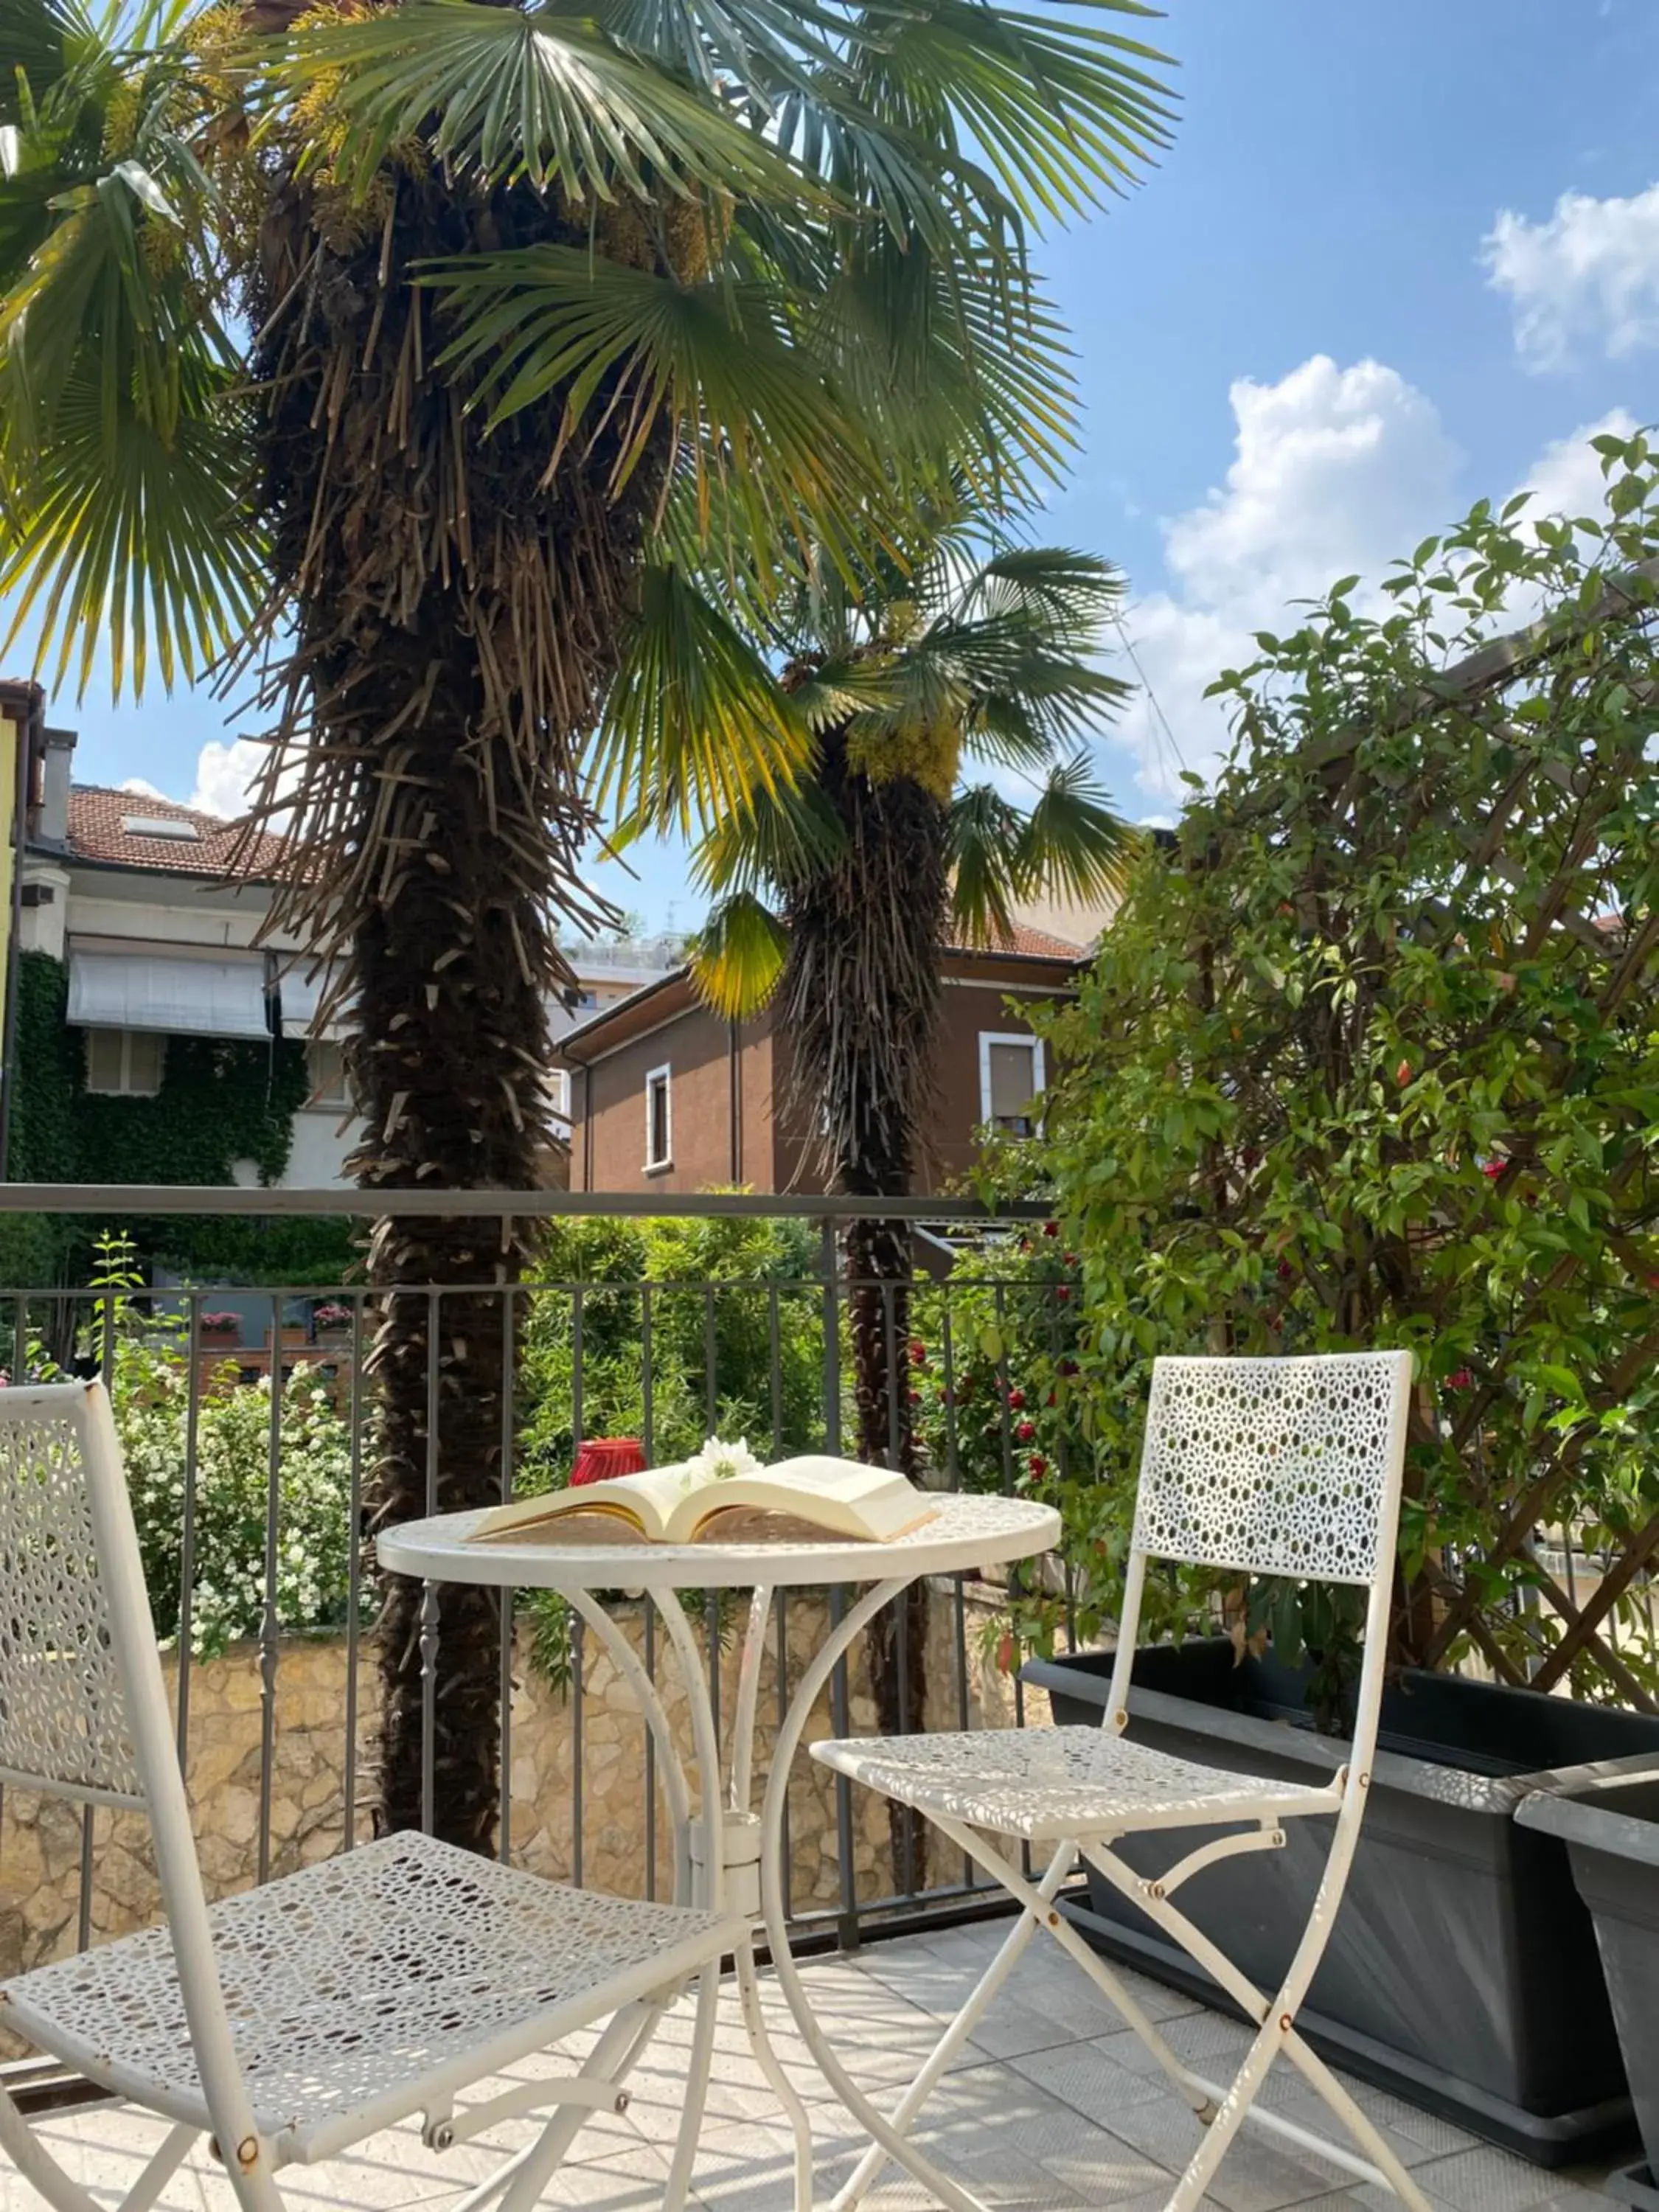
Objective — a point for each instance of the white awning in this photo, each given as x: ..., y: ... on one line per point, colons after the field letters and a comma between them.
x: 303, y: 989
x: 147, y: 990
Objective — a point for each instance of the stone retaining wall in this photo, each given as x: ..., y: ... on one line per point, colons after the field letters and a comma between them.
x: 41, y: 1839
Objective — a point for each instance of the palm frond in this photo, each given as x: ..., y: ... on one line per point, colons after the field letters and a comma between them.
x: 1074, y: 847
x: 776, y: 841
x: 985, y: 833
x: 538, y: 93
x: 756, y: 44
x: 120, y: 533
x: 738, y: 957
x: 1075, y: 593
x: 714, y: 359
x: 1059, y: 108
x: 694, y: 722
x: 37, y: 39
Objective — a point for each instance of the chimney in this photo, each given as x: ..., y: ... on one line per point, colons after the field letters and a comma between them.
x: 52, y: 829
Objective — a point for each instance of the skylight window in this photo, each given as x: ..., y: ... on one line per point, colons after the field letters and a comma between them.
x: 155, y: 825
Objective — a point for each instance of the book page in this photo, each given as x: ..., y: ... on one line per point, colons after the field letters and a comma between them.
x: 759, y: 1524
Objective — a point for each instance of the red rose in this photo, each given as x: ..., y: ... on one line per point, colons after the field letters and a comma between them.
x: 1063, y: 1292
x: 1017, y: 1399
x: 918, y: 1352
x: 1037, y: 1464
x: 1068, y: 1367
x: 1025, y: 1431
x: 1286, y: 1270
x: 1051, y: 1229
x: 915, y: 1397
x: 1493, y: 1169
x: 1460, y: 1381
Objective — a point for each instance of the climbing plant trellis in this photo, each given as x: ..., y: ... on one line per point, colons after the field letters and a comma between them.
x: 1374, y: 1058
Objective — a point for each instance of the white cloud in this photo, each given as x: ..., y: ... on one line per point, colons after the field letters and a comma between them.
x: 1335, y: 471
x: 1586, y: 279
x: 228, y: 777
x: 1566, y: 478
x: 226, y: 780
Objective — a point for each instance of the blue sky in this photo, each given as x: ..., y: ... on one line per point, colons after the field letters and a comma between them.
x: 1398, y: 257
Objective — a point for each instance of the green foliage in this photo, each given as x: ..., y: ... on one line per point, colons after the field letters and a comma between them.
x: 635, y: 1290
x: 993, y: 1365
x: 219, y: 1102
x: 226, y: 1510
x: 1372, y: 1060
x: 665, y: 1358
x: 813, y: 314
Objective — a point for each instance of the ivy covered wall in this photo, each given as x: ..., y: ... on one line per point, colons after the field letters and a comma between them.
x: 221, y: 1100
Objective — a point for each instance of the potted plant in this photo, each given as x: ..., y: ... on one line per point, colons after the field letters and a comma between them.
x: 332, y: 1319
x: 1462, y: 1973
x: 1366, y: 1058
x: 1609, y: 1822
x: 221, y: 1327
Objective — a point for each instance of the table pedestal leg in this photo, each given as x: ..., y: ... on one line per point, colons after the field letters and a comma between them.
x: 775, y: 1904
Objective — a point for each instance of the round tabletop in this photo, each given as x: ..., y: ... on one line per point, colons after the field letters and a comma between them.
x: 962, y: 1534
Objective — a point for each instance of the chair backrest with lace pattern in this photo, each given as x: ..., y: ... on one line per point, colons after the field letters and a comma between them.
x: 64, y: 1723
x: 1275, y: 1466
x: 83, y: 1706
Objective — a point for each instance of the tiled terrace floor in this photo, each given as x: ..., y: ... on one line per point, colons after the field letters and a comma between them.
x: 1052, y: 2108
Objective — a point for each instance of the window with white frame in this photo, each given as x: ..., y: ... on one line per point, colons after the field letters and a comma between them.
x: 558, y: 1091
x: 659, y: 1119
x: 126, y: 1063
x: 326, y: 1067
x: 1010, y: 1080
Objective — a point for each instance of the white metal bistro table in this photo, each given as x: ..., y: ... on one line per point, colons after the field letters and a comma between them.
x: 727, y: 1855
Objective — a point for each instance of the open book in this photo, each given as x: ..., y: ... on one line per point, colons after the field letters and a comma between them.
x: 797, y: 1498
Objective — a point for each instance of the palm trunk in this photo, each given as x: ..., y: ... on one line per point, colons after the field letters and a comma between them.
x: 860, y: 996
x: 456, y: 619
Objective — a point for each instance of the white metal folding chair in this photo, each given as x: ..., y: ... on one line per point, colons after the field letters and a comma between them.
x: 293, y: 2021
x: 1269, y: 1467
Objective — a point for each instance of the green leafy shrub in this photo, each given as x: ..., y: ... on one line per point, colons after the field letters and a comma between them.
x: 227, y: 1505
x: 994, y: 1346
x: 717, y: 1323
x: 1372, y: 1058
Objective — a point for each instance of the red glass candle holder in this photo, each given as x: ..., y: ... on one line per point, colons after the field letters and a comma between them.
x: 603, y: 1458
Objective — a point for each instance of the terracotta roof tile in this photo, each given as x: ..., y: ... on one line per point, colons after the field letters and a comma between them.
x: 96, y: 816
x: 1038, y: 944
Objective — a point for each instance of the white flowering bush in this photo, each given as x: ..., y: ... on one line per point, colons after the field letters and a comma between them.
x: 222, y: 1511
x: 230, y: 1496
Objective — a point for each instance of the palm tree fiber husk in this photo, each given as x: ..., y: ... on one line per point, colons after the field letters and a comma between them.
x: 859, y: 998
x: 455, y: 611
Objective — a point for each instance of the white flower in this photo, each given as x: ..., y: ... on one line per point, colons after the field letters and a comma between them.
x: 719, y: 1462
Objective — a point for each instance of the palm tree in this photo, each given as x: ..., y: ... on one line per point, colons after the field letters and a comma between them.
x: 426, y: 358
x: 835, y: 897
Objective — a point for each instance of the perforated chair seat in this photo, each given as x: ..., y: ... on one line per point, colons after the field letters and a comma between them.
x: 350, y: 1984
x: 1056, y: 1783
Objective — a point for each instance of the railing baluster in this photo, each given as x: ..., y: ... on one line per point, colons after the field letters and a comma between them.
x: 509, y: 1437
x: 354, y: 1570
x: 269, y: 1624
x: 429, y: 1617
x: 187, y: 1534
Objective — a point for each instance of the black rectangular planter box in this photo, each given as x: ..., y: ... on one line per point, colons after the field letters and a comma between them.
x: 1610, y: 1825
x: 1462, y: 1970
